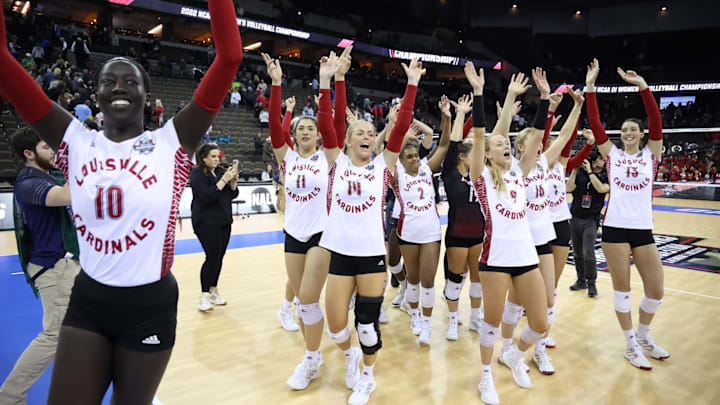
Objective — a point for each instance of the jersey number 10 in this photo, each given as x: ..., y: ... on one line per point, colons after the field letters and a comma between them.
x: 114, y: 206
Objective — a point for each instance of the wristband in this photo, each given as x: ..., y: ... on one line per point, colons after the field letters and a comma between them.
x: 478, y: 112
x: 541, y: 114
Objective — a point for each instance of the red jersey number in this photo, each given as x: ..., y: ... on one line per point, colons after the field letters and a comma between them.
x: 110, y: 200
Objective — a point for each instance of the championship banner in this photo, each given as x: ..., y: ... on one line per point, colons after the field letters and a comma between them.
x: 675, y: 251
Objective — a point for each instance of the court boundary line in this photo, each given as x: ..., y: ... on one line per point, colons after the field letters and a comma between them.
x: 669, y: 289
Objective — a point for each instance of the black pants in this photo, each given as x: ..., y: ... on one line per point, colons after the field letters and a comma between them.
x: 214, y: 240
x: 584, y: 233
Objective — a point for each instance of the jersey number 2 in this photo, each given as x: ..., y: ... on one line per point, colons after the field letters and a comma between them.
x: 113, y: 196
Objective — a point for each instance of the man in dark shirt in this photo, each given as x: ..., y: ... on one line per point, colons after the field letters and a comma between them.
x: 52, y: 264
x: 588, y: 185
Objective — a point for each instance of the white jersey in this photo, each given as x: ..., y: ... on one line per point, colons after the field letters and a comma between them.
x: 631, y: 183
x: 125, y: 200
x: 305, y: 192
x: 419, y: 221
x: 536, y: 193
x: 557, y: 195
x: 508, y: 241
x: 395, y: 214
x: 355, y: 204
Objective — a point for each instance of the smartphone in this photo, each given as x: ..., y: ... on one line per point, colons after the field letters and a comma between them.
x: 236, y: 163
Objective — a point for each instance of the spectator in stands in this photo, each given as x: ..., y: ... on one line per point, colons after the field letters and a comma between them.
x: 180, y: 106
x: 315, y: 84
x: 262, y: 86
x: 82, y: 110
x: 38, y: 53
x: 159, y: 112
x: 224, y: 138
x: 308, y: 111
x: 235, y: 98
x: 264, y: 118
x: 81, y: 51
x: 262, y: 101
x: 28, y: 62
x: 259, y: 143
x: 181, y: 67
x: 99, y: 118
x: 267, y: 174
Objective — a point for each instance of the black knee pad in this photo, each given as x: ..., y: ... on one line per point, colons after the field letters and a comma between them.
x: 367, y: 311
x: 456, y: 278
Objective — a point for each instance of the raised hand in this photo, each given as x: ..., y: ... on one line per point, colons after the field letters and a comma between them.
x: 392, y: 114
x: 290, y: 103
x: 463, y: 105
x: 577, y: 96
x: 517, y: 107
x: 476, y: 79
x: 555, y: 100
x: 633, y: 78
x: 349, y: 116
x: 444, y: 105
x: 540, y: 79
x: 593, y: 70
x: 316, y: 98
x: 586, y: 166
x: 273, y: 69
x: 588, y: 135
x: 345, y: 60
x: 555, y: 120
x: 329, y: 65
x: 413, y: 71
x: 518, y: 84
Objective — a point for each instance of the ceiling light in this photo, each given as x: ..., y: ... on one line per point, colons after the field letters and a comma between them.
x: 578, y: 12
x: 253, y: 46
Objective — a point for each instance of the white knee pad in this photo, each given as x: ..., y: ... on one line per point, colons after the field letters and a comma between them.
x: 339, y: 337
x: 551, y: 315
x: 427, y: 297
x: 650, y: 305
x: 367, y: 334
x: 310, y: 313
x: 475, y: 290
x: 488, y: 334
x: 396, y: 269
x: 512, y: 313
x: 622, y: 301
x: 529, y: 336
x: 452, y: 290
x: 412, y: 293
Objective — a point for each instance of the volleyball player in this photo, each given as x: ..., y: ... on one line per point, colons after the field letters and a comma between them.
x: 508, y: 257
x: 354, y: 233
x: 628, y: 223
x: 125, y: 187
x: 418, y: 228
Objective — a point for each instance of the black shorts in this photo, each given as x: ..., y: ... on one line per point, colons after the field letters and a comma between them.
x: 342, y: 265
x: 562, y: 232
x: 512, y: 271
x: 545, y: 249
x: 451, y: 241
x: 635, y: 237
x: 390, y: 227
x: 141, y: 318
x: 293, y: 245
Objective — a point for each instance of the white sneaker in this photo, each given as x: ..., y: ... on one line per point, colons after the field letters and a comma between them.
x: 487, y: 391
x: 636, y: 357
x: 475, y: 323
x: 216, y: 299
x: 305, y: 372
x: 424, y: 338
x: 550, y: 342
x: 518, y: 368
x: 399, y: 299
x: 500, y: 360
x: 352, y: 368
x: 650, y: 348
x: 383, y: 316
x: 361, y: 391
x: 287, y: 320
x: 205, y: 305
x: 544, y: 363
x: 415, y: 323
x: 452, y: 332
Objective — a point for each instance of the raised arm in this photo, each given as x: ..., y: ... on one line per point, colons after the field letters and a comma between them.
x: 555, y: 100
x: 477, y: 81
x: 392, y: 117
x: 192, y: 121
x: 568, y: 131
x: 328, y: 67
x: 345, y: 61
x: 392, y: 151
x: 518, y: 86
x: 277, y: 138
x: 527, y: 162
x: 655, y: 135
x: 47, y: 119
x: 575, y: 161
x: 603, y: 143
x: 435, y: 161
x: 287, y: 121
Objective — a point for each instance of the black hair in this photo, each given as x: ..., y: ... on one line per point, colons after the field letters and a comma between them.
x: 143, y: 72
x: 202, y: 153
x: 409, y: 145
x: 24, y: 139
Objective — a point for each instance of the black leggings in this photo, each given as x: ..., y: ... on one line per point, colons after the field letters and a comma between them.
x: 584, y: 234
x: 214, y: 240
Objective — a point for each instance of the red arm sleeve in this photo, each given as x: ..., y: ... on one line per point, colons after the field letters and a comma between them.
x: 276, y: 131
x: 594, y: 118
x: 211, y: 92
x: 568, y: 146
x: 576, y: 160
x: 467, y: 127
x: 17, y: 84
x: 403, y: 120
x: 287, y: 121
x: 340, y: 106
x: 653, y: 112
x: 548, y: 128
x: 325, y: 121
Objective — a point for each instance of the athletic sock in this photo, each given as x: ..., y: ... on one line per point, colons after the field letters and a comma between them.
x: 643, y: 331
x: 368, y: 371
x: 486, y: 371
x: 630, y: 338
x: 507, y: 343
x: 453, y: 315
x: 312, y: 355
x: 474, y: 313
x: 287, y: 306
x: 348, y: 353
x: 540, y: 346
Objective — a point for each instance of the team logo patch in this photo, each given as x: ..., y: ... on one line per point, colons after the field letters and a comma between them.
x: 422, y: 173
x: 145, y: 145
x: 512, y: 173
x: 315, y: 158
x: 370, y: 167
